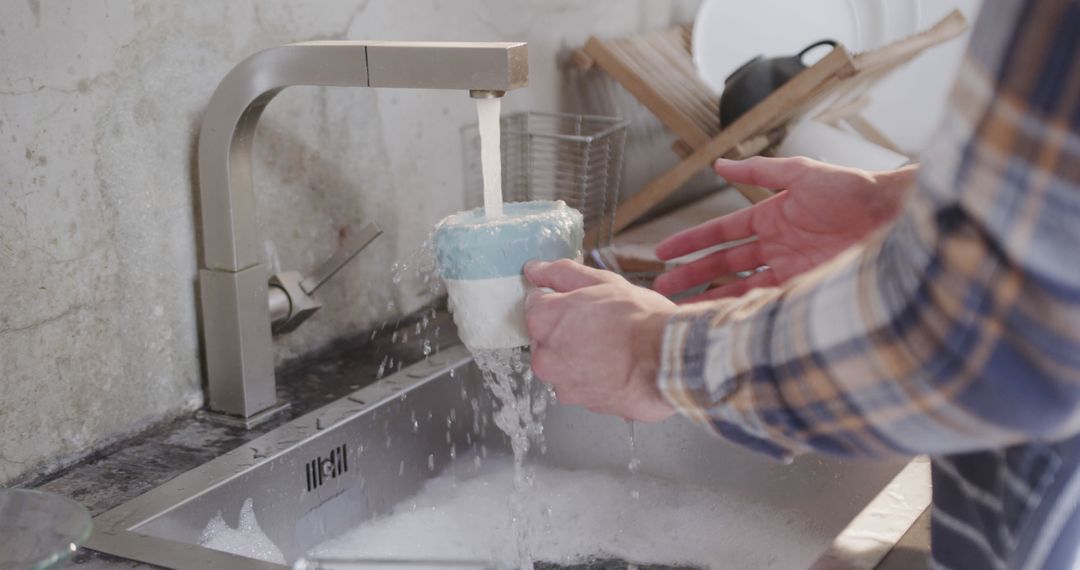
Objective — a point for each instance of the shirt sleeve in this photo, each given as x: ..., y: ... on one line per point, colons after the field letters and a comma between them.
x: 957, y: 328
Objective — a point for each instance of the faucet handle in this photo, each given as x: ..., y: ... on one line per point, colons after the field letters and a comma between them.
x: 292, y: 296
x: 353, y: 245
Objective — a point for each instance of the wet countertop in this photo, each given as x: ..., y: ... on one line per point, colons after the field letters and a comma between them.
x: 132, y: 467
x: 139, y: 464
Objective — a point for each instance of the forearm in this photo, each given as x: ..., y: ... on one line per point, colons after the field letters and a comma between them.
x: 766, y: 369
x: 956, y: 329
x: 906, y: 345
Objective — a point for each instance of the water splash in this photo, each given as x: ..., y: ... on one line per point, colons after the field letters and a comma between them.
x: 522, y: 407
x: 634, y: 464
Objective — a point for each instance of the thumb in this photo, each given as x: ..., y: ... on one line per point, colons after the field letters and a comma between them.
x: 565, y: 275
x: 771, y: 173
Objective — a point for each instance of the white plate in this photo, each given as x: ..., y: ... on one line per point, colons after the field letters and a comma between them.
x: 728, y: 33
x: 909, y: 104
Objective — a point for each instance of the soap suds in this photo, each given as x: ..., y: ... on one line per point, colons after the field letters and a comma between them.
x: 575, y: 517
x: 248, y: 539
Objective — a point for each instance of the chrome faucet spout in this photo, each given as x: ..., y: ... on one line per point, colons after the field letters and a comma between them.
x: 233, y: 282
x: 486, y: 94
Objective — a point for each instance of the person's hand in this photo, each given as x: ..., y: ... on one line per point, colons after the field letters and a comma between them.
x: 824, y: 210
x: 597, y: 339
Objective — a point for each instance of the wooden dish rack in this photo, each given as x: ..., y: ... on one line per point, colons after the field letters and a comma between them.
x: 657, y: 69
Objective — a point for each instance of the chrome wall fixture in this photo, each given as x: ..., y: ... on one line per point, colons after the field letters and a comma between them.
x: 241, y: 302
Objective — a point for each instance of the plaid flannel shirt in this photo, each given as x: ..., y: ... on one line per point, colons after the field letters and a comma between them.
x: 955, y: 332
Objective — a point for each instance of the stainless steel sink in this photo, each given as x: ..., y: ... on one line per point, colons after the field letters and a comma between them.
x: 356, y: 458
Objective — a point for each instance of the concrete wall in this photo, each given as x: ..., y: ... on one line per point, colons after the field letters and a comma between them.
x: 100, y: 102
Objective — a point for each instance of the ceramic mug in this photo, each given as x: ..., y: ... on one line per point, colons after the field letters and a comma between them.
x: 481, y: 261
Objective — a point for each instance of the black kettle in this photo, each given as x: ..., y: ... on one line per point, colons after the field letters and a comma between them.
x: 757, y: 78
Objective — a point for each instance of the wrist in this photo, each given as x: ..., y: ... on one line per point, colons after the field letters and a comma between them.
x: 650, y: 351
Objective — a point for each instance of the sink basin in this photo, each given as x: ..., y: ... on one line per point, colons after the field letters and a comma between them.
x: 356, y: 458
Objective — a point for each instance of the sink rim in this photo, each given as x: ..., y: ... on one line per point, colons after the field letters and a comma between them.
x: 116, y: 532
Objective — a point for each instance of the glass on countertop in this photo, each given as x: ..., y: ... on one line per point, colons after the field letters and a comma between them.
x: 39, y: 530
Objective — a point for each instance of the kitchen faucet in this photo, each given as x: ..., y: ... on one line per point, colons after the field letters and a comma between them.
x: 242, y: 304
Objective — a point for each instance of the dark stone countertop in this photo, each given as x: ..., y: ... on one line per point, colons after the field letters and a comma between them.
x: 139, y: 464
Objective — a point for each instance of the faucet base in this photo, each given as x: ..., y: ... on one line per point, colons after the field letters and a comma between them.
x: 239, y: 422
x: 236, y: 341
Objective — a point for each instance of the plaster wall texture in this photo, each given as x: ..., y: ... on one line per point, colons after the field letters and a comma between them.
x: 100, y: 102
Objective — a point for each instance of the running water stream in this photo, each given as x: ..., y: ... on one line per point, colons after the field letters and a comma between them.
x: 487, y: 111
x: 521, y: 417
x: 634, y: 464
x: 505, y: 372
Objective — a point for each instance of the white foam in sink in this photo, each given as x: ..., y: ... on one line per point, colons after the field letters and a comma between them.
x: 246, y: 540
x: 575, y: 516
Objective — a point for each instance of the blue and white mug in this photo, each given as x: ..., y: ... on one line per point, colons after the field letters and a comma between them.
x: 482, y: 261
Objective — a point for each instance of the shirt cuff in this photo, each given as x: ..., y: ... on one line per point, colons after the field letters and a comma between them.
x: 700, y: 376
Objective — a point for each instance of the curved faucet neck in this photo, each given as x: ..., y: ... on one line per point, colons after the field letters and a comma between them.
x: 233, y: 284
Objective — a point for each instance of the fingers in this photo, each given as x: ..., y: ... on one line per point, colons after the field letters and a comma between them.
x: 565, y: 275
x: 771, y: 173
x: 542, y: 314
x: 734, y: 226
x: 704, y: 270
x: 766, y: 278
x: 544, y: 364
